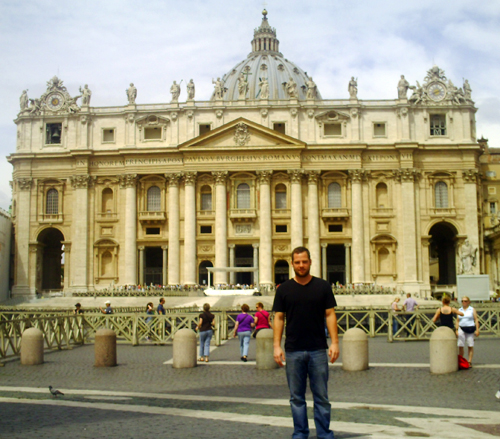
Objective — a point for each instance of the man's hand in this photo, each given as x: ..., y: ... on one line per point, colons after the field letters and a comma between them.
x: 279, y: 355
x: 333, y: 352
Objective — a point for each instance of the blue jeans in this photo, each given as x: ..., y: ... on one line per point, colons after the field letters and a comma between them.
x: 244, y: 337
x: 395, y: 325
x: 299, y: 365
x: 205, y: 338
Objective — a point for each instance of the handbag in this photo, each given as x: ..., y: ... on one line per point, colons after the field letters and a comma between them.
x: 468, y: 329
x: 462, y: 363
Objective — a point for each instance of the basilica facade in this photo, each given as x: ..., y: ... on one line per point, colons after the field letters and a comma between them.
x: 381, y: 191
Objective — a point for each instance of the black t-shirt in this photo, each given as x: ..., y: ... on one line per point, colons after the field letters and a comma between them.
x: 206, y: 322
x: 304, y: 307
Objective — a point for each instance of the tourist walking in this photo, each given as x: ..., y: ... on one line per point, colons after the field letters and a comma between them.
x: 395, y: 323
x: 467, y: 327
x: 445, y: 313
x: 243, y: 329
x: 206, y: 326
x: 160, y: 309
x: 305, y: 301
x: 410, y: 305
x: 108, y: 309
x: 262, y: 319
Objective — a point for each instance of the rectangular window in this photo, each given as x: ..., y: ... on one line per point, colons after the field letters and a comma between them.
x: 206, y: 201
x: 335, y: 228
x: 204, y: 128
x: 205, y: 229
x: 281, y: 228
x: 280, y: 200
x: 152, y: 133
x: 108, y: 135
x: 280, y: 127
x: 333, y: 129
x: 379, y: 129
x: 152, y: 230
x: 53, y: 132
x: 493, y: 208
x: 438, y: 125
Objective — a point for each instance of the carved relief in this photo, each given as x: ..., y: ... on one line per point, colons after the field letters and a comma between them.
x: 264, y: 177
x: 82, y: 181
x: 295, y: 175
x: 24, y: 184
x: 241, y: 135
x: 357, y: 175
x: 406, y: 174
x: 220, y: 176
x: 152, y: 120
x: 190, y: 178
x: 174, y: 178
x: 127, y: 180
x: 471, y: 175
x: 312, y: 176
x: 243, y: 229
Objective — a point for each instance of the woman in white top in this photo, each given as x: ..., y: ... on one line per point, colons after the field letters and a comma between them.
x: 467, y: 327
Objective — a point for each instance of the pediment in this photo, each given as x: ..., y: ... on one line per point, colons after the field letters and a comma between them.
x: 241, y: 133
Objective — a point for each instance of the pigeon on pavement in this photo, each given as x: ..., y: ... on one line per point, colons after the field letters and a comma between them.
x: 55, y: 392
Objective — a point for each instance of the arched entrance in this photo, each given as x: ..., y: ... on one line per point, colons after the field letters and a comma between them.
x: 50, y: 269
x: 203, y: 272
x: 442, y: 254
x: 281, y: 272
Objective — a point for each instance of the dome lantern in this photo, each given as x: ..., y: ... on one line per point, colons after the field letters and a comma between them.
x: 264, y: 38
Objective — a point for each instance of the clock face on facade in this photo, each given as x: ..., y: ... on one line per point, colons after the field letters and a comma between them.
x: 436, y: 91
x: 55, y: 101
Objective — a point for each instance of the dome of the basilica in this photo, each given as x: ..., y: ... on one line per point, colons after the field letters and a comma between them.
x: 266, y: 62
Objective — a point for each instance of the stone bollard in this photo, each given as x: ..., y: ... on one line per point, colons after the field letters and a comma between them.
x: 443, y: 351
x: 184, y: 349
x: 355, y: 350
x: 105, y: 348
x: 265, y: 350
x: 32, y: 347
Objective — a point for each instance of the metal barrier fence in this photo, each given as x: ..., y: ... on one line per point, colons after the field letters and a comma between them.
x: 61, y: 331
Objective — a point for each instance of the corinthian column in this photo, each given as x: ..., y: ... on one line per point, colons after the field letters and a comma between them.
x: 358, y: 255
x: 265, y: 250
x: 220, y: 226
x: 79, y: 232
x: 470, y: 177
x: 23, y: 208
x: 173, y: 229
x: 407, y: 177
x: 129, y: 274
x: 189, y: 228
x: 313, y: 222
x: 297, y: 233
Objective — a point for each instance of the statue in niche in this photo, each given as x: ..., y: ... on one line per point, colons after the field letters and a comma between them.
x: 312, y: 89
x: 131, y: 94
x: 403, y: 86
x: 242, y: 86
x: 353, y: 88
x: 190, y: 90
x: 86, y: 94
x: 291, y: 88
x: 176, y: 91
x: 467, y: 90
x: 24, y: 101
x: 468, y: 258
x: 264, y: 88
x: 219, y: 89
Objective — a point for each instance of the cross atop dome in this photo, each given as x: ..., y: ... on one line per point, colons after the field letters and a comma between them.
x: 264, y: 38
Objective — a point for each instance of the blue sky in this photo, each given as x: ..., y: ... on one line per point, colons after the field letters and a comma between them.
x: 108, y: 44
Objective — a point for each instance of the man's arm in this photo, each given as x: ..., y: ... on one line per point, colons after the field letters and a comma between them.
x: 331, y: 325
x: 278, y: 325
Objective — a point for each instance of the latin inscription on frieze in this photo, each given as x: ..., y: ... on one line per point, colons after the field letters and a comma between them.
x: 241, y: 158
x: 331, y: 157
x: 131, y: 162
x: 381, y: 157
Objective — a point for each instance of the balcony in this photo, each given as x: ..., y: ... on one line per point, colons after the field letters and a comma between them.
x: 51, y: 218
x: 152, y: 217
x: 336, y: 213
x: 442, y: 212
x: 107, y: 217
x: 281, y: 213
x: 382, y: 212
x: 205, y: 214
x: 242, y: 214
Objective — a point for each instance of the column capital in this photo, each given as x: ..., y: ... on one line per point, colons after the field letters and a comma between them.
x: 296, y: 175
x: 406, y: 174
x: 127, y: 180
x: 82, y: 181
x: 256, y: 245
x: 190, y: 178
x: 471, y: 175
x: 312, y: 176
x: 174, y: 178
x: 220, y: 176
x: 357, y: 175
x: 24, y: 184
x: 141, y: 248
x: 231, y: 246
x: 264, y: 177
x: 164, y: 247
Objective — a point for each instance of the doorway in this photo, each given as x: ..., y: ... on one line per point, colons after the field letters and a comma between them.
x: 335, y: 262
x: 49, y: 267
x: 153, y: 271
x: 442, y: 254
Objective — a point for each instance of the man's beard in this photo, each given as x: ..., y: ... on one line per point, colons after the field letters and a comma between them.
x: 302, y: 275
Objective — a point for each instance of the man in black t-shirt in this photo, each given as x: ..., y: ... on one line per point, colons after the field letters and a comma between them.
x: 306, y: 301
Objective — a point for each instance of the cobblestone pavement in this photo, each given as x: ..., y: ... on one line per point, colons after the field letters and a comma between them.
x: 144, y: 397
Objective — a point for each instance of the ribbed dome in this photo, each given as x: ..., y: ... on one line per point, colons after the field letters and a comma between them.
x: 265, y: 61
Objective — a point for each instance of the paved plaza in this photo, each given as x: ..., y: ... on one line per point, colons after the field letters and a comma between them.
x: 144, y: 397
